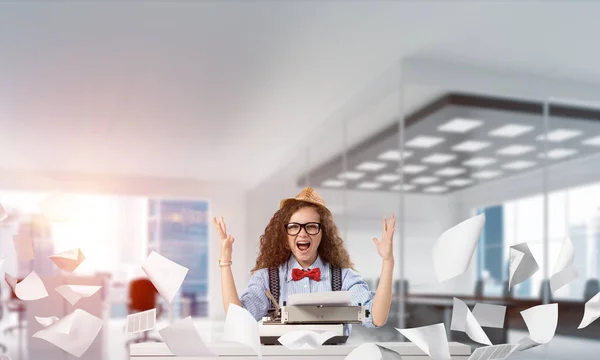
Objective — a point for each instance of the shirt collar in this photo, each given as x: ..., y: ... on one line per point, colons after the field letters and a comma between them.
x: 293, y: 264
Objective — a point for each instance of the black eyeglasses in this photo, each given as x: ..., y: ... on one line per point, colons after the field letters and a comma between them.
x: 311, y: 228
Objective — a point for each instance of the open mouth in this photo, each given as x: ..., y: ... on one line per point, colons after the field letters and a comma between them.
x: 303, y: 246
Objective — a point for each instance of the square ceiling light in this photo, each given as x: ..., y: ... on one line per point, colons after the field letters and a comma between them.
x: 471, y: 146
x: 405, y: 187
x: 559, y: 153
x: 387, y: 177
x: 369, y: 185
x: 460, y: 125
x: 394, y: 155
x: 450, y: 171
x: 351, y: 175
x: 486, y: 174
x: 559, y: 135
x: 425, y: 180
x: 413, y: 169
x: 459, y: 182
x: 519, y: 165
x: 333, y: 183
x: 510, y: 130
x: 424, y: 142
x: 439, y: 158
x: 595, y: 141
x: 479, y: 161
x: 514, y: 150
x: 435, y: 189
x: 371, y: 166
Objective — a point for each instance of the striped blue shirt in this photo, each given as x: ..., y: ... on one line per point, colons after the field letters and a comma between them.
x: 257, y: 303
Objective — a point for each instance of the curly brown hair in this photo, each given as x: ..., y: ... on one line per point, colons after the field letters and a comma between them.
x: 274, y: 247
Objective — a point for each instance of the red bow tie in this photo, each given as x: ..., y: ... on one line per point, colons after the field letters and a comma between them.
x: 314, y: 274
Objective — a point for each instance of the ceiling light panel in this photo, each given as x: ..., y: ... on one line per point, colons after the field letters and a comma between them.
x: 439, y: 158
x: 595, y: 141
x: 435, y: 189
x: 404, y: 187
x: 519, y: 165
x: 450, y: 171
x: 459, y: 182
x: 394, y: 155
x: 510, y: 131
x: 471, y: 146
x: 413, y: 169
x: 460, y: 125
x: 479, y: 161
x: 351, y: 175
x: 515, y: 150
x: 559, y: 153
x: 424, y: 142
x: 425, y: 180
x: 371, y: 166
x: 486, y: 174
x: 333, y: 183
x: 387, y: 178
x: 559, y: 135
x: 369, y: 185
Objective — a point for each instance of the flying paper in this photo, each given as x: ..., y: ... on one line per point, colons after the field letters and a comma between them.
x: 541, y: 322
x: 489, y: 315
x: 591, y: 311
x: 431, y: 339
x: 74, y: 293
x: 183, y: 340
x: 69, y: 260
x: 463, y: 320
x: 29, y: 289
x: 454, y: 249
x: 166, y: 275
x: 141, y: 321
x: 46, y: 321
x: 522, y: 264
x: 564, y: 271
x: 495, y: 352
x: 3, y: 214
x: 23, y: 247
x: 370, y: 351
x: 74, y: 333
x: 2, y: 260
x: 304, y: 339
x: 241, y: 327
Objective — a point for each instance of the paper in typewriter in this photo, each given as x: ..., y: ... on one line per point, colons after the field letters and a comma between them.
x: 329, y: 298
x: 494, y: 352
x: 142, y: 321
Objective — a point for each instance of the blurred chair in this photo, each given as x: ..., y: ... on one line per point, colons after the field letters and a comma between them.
x: 16, y: 305
x: 479, y: 288
x: 592, y: 287
x: 2, y: 346
x: 142, y: 297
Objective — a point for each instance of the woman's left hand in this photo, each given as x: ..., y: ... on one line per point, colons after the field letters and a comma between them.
x: 384, y: 247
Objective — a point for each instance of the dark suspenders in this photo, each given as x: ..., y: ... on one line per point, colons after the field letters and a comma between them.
x: 336, y: 280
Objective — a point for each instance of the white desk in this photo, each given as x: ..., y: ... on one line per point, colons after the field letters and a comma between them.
x: 231, y: 351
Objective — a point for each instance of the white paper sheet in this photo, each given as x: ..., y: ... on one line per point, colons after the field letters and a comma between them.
x: 141, y: 321
x: 166, y: 275
x: 2, y: 260
x: 564, y: 272
x: 74, y: 293
x: 321, y: 298
x: 489, y: 315
x: 183, y: 339
x: 23, y: 247
x: 431, y: 339
x: 3, y: 214
x: 31, y: 288
x: 454, y: 249
x: 69, y: 260
x: 46, y: 321
x: 494, y: 352
x: 370, y: 351
x: 304, y: 339
x: 522, y: 264
x: 463, y: 320
x: 541, y: 322
x: 82, y: 329
x: 241, y: 327
x: 591, y: 311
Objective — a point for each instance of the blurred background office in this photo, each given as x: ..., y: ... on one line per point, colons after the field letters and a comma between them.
x: 127, y: 125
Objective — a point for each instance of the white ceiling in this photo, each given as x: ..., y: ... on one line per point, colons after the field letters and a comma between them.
x: 227, y: 91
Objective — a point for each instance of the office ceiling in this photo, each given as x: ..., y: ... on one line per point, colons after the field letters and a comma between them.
x: 230, y: 91
x: 460, y: 140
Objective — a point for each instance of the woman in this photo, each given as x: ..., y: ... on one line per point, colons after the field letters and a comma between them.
x: 302, y: 246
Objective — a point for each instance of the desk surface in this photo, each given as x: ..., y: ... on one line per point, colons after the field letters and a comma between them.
x: 160, y: 350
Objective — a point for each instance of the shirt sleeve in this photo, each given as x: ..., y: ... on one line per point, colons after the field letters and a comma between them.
x: 254, y: 298
x: 353, y: 282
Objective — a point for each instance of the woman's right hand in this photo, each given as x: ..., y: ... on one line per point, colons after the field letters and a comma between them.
x: 226, y: 240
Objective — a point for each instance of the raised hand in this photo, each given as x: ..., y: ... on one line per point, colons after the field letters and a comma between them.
x: 226, y: 240
x: 385, y: 246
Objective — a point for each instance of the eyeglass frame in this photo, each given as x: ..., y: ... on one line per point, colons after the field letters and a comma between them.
x: 302, y: 226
